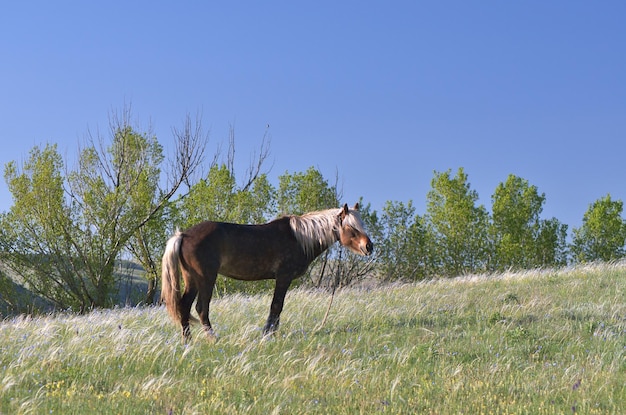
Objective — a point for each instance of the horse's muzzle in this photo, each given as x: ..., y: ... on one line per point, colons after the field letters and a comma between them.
x: 369, y: 248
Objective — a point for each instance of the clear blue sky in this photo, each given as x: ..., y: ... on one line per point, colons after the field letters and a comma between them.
x: 384, y: 93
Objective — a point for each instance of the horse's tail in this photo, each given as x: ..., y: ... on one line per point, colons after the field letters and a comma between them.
x: 170, y: 276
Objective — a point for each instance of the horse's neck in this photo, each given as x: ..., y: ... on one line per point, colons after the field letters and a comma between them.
x: 312, y: 236
x: 323, y: 247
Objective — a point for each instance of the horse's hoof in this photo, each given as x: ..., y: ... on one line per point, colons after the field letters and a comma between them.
x: 269, y: 332
x: 211, y: 335
x: 186, y: 336
x: 268, y: 337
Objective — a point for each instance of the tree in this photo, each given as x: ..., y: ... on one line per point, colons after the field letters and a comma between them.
x: 146, y: 247
x: 66, y: 232
x: 115, y: 189
x: 210, y: 198
x: 299, y: 193
x: 37, y: 231
x: 458, y: 227
x: 603, y: 232
x: 256, y: 204
x: 403, y: 248
x: 218, y: 197
x: 522, y: 240
x: 515, y: 215
x: 552, y: 243
x: 146, y: 244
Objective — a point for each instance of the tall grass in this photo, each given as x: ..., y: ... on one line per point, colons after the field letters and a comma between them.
x: 544, y: 342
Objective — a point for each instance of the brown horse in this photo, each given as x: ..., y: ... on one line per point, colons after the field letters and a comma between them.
x: 281, y: 249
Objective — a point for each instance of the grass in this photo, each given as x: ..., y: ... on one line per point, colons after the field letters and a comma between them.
x: 544, y: 342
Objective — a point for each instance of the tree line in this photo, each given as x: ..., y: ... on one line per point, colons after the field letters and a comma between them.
x: 67, y: 228
x: 457, y: 236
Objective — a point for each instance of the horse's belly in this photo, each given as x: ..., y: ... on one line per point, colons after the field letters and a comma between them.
x: 250, y: 277
x: 255, y: 268
x: 249, y: 271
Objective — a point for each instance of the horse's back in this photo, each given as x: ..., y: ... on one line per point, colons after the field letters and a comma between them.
x: 247, y: 252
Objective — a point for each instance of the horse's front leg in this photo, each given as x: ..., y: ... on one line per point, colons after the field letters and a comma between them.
x: 282, y: 285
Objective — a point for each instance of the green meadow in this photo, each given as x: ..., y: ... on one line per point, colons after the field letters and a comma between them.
x: 540, y: 342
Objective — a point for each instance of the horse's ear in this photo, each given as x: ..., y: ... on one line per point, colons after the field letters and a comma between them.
x: 344, y: 211
x: 356, y: 206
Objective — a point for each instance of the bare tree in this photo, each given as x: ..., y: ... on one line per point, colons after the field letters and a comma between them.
x: 146, y: 243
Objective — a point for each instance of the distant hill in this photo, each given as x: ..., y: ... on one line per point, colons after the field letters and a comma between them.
x: 16, y: 299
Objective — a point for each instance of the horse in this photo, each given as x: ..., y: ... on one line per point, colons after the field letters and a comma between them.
x: 281, y: 250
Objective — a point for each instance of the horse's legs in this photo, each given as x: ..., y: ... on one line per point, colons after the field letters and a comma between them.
x: 205, y: 292
x: 282, y: 284
x: 185, y: 309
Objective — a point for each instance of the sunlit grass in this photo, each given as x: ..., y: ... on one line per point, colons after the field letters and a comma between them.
x: 544, y: 342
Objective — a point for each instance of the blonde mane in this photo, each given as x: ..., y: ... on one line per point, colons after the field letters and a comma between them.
x: 319, y: 230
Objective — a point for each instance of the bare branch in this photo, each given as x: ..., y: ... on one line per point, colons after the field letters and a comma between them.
x: 338, y: 190
x: 230, y: 162
x: 256, y: 163
x: 191, y: 142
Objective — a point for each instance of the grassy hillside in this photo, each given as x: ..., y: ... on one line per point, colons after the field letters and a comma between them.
x: 532, y: 343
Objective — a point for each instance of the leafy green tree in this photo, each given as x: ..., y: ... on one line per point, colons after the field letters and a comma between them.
x: 210, y: 198
x: 115, y: 189
x: 146, y: 247
x: 515, y: 215
x: 458, y: 227
x: 603, y: 232
x: 217, y: 197
x: 37, y: 232
x: 257, y: 204
x: 403, y: 247
x: 65, y: 233
x: 146, y: 244
x: 552, y: 249
x: 38, y: 212
x: 299, y: 193
x: 522, y: 240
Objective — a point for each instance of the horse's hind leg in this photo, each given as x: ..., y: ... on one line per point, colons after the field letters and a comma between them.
x: 282, y: 285
x: 185, y: 309
x: 205, y: 292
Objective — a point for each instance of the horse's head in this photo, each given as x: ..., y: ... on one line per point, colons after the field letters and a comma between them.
x: 352, y: 232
